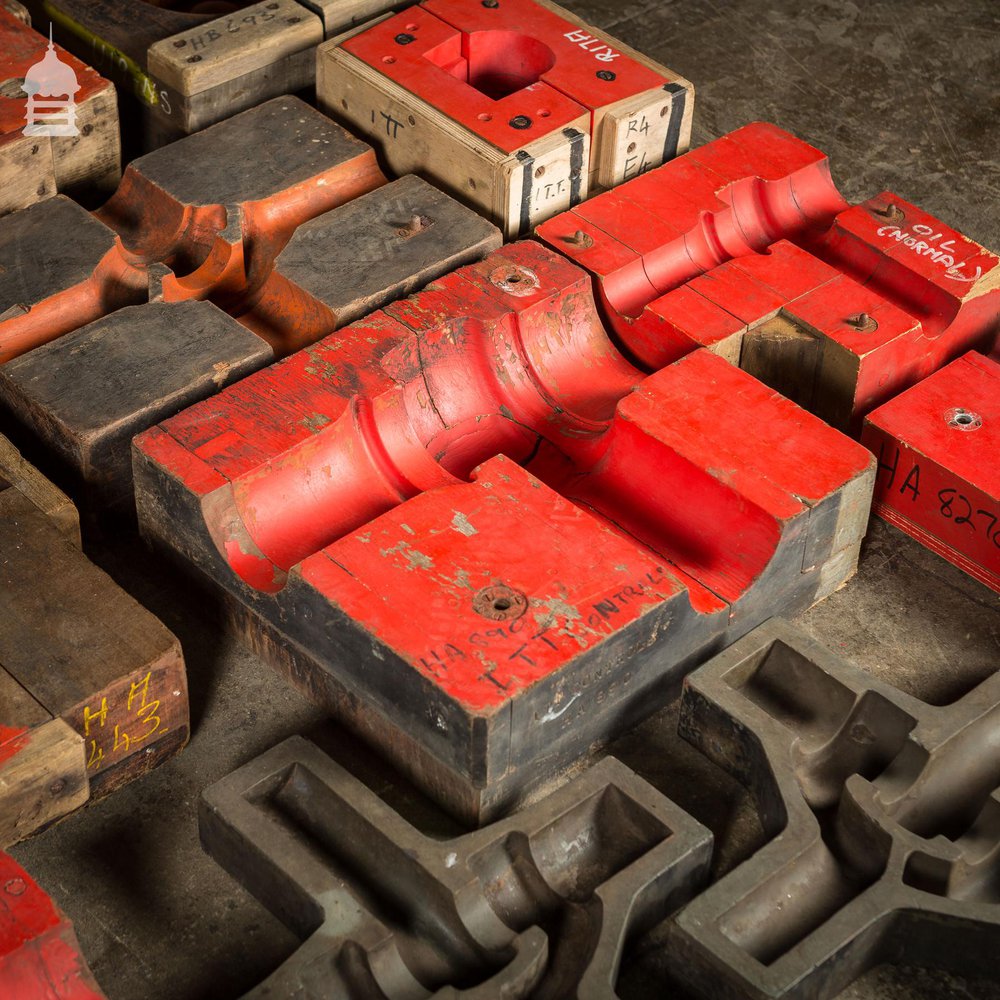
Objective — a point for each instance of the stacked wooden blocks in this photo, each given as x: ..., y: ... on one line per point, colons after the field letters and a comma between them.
x: 486, y: 505
x: 93, y: 692
x: 182, y: 67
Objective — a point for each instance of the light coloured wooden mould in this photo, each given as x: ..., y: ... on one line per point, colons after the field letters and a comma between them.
x: 589, y: 112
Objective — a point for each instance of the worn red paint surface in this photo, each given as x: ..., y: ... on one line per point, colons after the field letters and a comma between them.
x: 938, y: 475
x: 487, y: 433
x: 39, y: 955
x: 487, y: 66
x: 12, y: 739
x: 751, y: 226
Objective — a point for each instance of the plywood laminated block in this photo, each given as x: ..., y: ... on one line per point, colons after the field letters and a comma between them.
x: 938, y: 475
x: 514, y: 106
x: 746, y: 247
x: 40, y: 956
x: 92, y: 687
x: 34, y: 167
x: 270, y: 251
x: 185, y: 69
x: 472, y: 530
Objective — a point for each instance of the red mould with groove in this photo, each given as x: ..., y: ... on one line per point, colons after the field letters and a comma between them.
x: 515, y: 106
x: 746, y: 247
x: 476, y: 532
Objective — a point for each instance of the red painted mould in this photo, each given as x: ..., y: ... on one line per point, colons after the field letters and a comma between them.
x: 369, y: 495
x: 487, y: 66
x: 751, y: 226
x: 39, y: 955
x: 938, y: 476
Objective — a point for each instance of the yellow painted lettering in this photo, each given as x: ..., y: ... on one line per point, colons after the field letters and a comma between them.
x: 139, y: 686
x: 101, y: 715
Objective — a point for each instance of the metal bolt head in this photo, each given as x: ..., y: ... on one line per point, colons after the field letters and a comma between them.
x: 491, y: 4
x: 889, y: 212
x: 580, y: 239
x: 605, y: 74
x: 862, y: 322
x: 194, y: 58
x: 500, y: 603
x: 404, y: 38
x: 515, y: 280
x: 180, y: 43
x: 57, y: 786
x: 520, y: 122
x: 417, y: 224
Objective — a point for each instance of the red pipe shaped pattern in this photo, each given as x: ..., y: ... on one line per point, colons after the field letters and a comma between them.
x: 487, y: 380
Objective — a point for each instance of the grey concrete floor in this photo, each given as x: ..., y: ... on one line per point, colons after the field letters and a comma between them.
x: 903, y: 96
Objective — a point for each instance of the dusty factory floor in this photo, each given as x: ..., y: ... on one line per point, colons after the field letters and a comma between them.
x: 902, y: 95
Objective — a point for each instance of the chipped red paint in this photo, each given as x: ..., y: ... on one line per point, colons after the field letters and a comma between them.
x: 39, y: 955
x: 486, y: 432
x: 12, y: 740
x: 751, y: 226
x: 938, y: 476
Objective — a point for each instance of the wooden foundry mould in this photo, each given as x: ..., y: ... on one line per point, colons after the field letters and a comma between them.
x: 938, y: 470
x: 513, y: 106
x: 195, y: 274
x: 33, y: 167
x: 93, y: 691
x: 746, y: 247
x: 180, y: 69
x: 40, y: 956
x: 540, y: 904
x: 470, y: 528
x: 883, y: 818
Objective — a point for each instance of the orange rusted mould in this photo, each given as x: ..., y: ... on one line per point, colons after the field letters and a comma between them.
x: 218, y: 206
x: 59, y: 269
